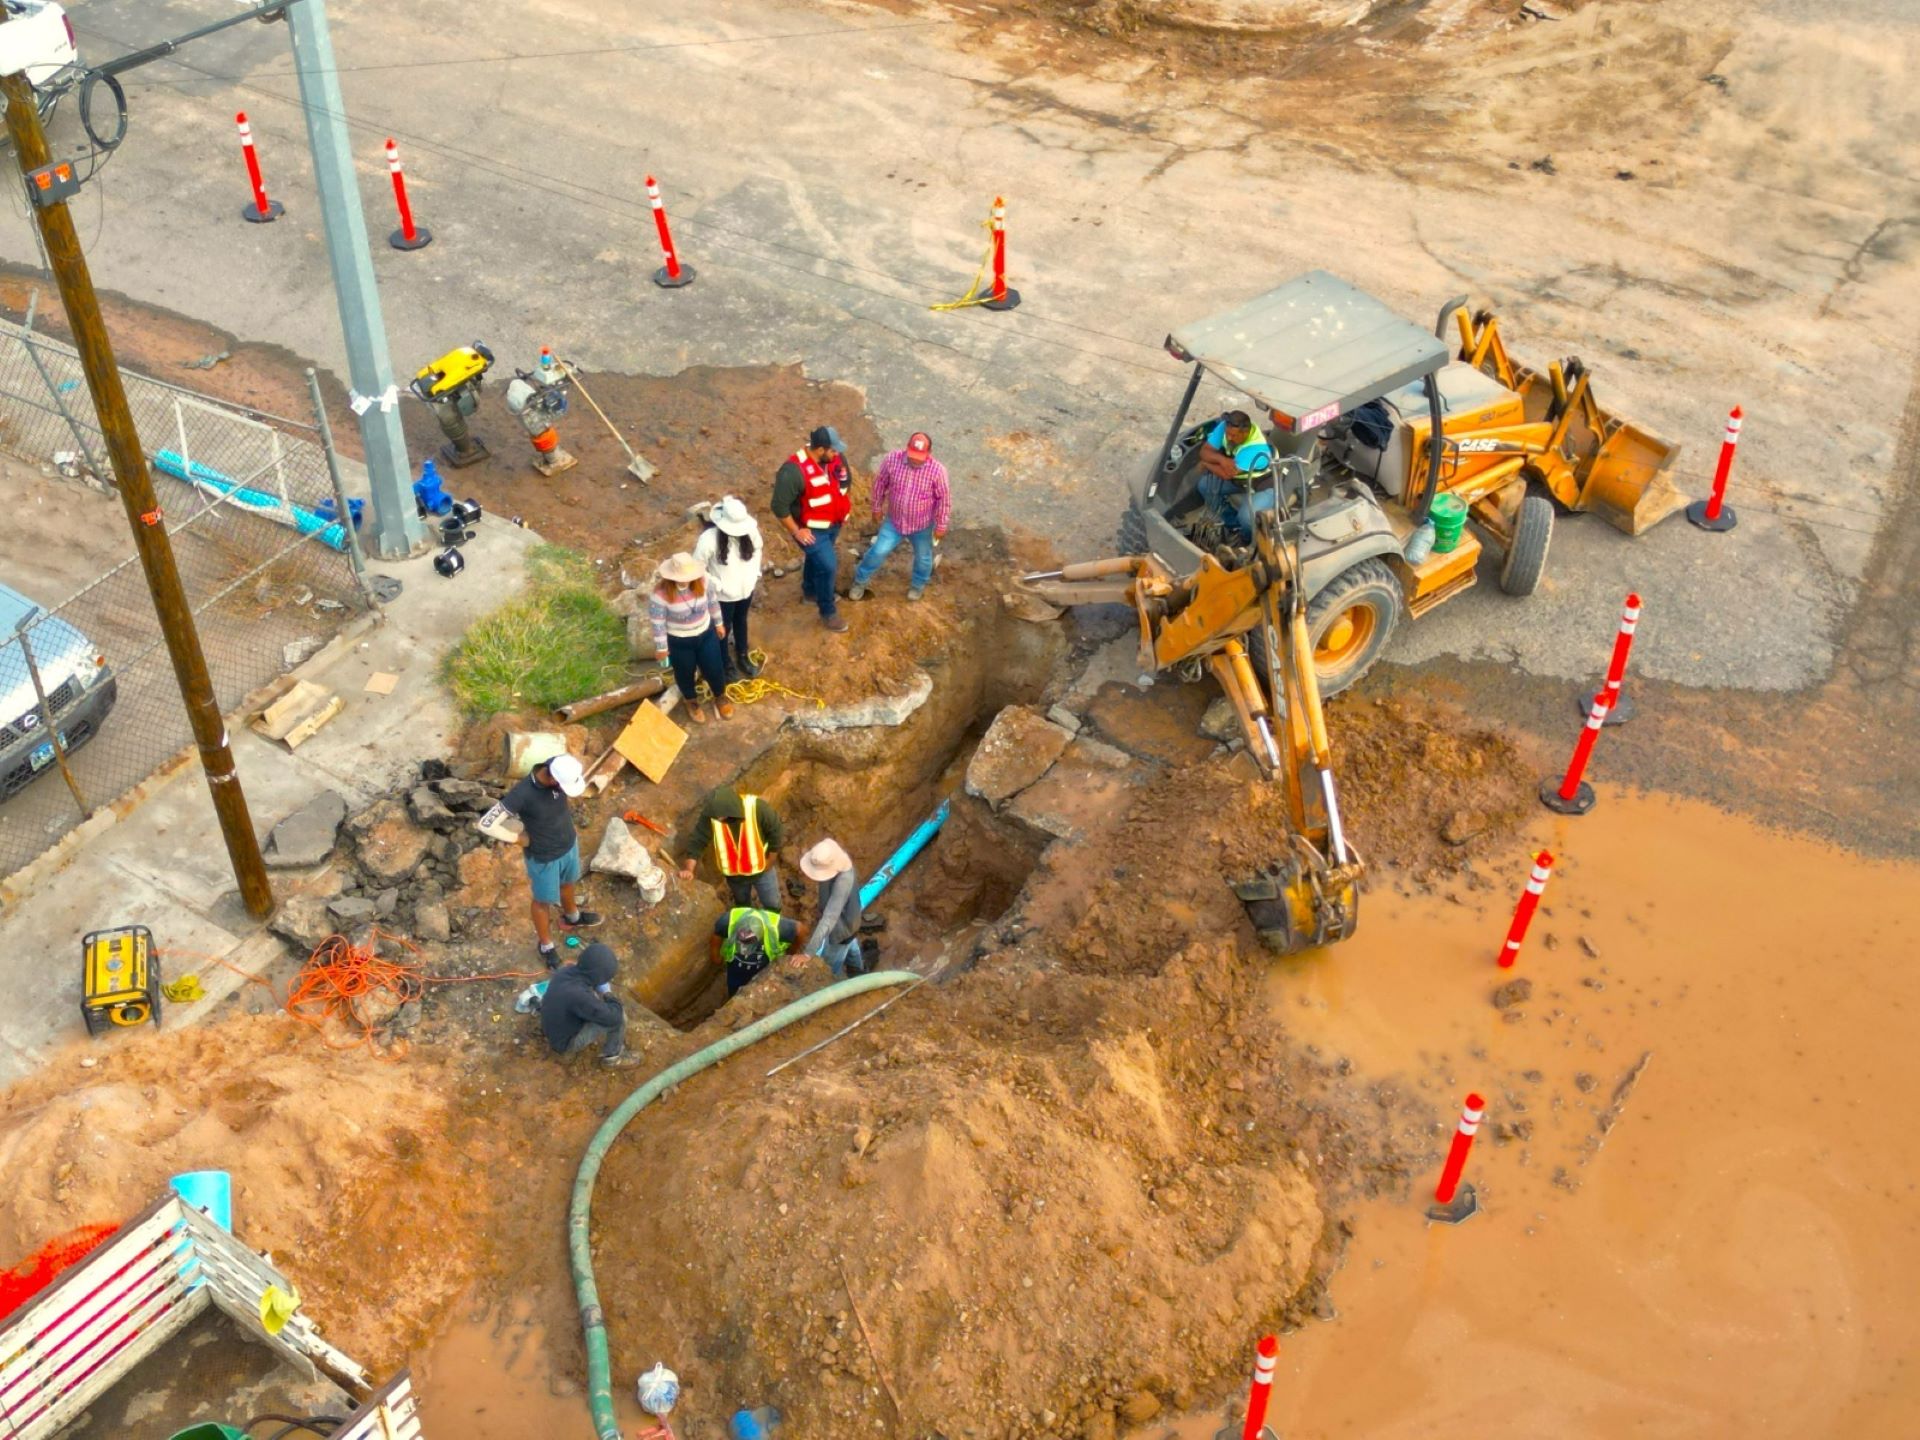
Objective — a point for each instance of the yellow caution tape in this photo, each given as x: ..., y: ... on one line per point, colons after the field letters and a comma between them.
x: 185, y: 990
x: 974, y: 295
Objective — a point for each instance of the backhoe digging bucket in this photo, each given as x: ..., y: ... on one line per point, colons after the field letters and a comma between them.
x: 1290, y: 913
x: 1629, y: 479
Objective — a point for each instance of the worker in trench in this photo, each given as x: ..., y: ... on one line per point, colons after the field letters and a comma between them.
x: 741, y: 834
x: 836, y: 926
x: 747, y: 941
x: 579, y: 1008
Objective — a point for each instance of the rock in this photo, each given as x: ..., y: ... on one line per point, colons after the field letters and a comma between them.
x: 862, y: 1139
x: 296, y: 651
x: 876, y: 710
x: 1462, y: 825
x: 431, y: 770
x: 306, y: 836
x: 364, y: 821
x: 1140, y: 1407
x: 350, y: 910
x: 1100, y: 1427
x: 1221, y: 722
x: 427, y: 808
x: 1514, y: 992
x: 431, y: 921
x: 302, y: 921
x: 386, y: 902
x: 1024, y: 606
x: 1585, y: 1083
x: 1064, y: 718
x: 621, y: 854
x: 640, y: 637
x: 1589, y: 949
x: 393, y: 849
x: 1018, y: 748
x: 629, y: 603
x: 446, y: 849
x: 463, y: 794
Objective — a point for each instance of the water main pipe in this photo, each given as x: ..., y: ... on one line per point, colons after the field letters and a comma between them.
x: 910, y: 847
x: 593, y: 1319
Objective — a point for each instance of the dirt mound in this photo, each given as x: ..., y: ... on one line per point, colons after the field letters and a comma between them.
x: 1023, y: 1206
x: 334, y: 1159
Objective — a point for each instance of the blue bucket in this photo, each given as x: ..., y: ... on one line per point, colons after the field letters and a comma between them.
x: 207, y: 1190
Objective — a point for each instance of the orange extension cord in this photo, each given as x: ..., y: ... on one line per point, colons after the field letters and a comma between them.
x: 339, y: 976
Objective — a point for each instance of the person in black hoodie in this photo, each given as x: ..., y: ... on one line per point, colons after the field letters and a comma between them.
x: 579, y: 1008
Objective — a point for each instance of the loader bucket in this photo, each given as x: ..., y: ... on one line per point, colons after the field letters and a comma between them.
x: 1629, y: 480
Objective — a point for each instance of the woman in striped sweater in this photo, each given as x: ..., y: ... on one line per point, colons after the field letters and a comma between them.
x: 688, y: 632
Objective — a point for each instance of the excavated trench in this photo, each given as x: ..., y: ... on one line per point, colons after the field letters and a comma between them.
x: 869, y: 788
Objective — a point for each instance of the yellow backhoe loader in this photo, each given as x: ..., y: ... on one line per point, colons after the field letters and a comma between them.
x: 1281, y: 562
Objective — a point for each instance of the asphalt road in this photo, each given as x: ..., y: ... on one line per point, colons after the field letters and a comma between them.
x: 827, y: 166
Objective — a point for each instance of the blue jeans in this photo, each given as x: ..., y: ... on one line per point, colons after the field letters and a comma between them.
x: 844, y: 960
x: 695, y: 655
x: 886, y: 542
x: 1232, y: 505
x: 820, y: 571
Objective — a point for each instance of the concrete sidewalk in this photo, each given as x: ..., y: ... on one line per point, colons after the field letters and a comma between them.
x: 156, y: 859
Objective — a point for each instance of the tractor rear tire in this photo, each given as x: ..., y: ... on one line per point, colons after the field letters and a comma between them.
x: 1132, y: 539
x: 1526, y: 558
x: 1350, y: 623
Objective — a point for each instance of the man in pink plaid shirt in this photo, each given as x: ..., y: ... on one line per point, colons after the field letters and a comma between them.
x: 910, y: 487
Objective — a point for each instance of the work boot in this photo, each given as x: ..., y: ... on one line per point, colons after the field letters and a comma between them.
x: 549, y: 957
x: 732, y: 675
x: 585, y: 920
x: 858, y: 592
x: 626, y: 1059
x: 835, y: 624
x: 915, y: 594
x: 749, y: 669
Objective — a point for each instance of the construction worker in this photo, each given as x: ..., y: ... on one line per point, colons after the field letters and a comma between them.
x: 552, y: 846
x: 811, y: 499
x: 741, y: 834
x: 579, y: 1008
x: 747, y: 941
x: 1235, y: 454
x: 912, y: 502
x: 836, y: 928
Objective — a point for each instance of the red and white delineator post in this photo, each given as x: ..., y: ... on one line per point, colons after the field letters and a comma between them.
x: 1619, y: 703
x: 1573, y: 795
x: 672, y: 275
x: 1452, y: 1201
x: 1001, y: 298
x: 1265, y: 1356
x: 262, y: 211
x: 1523, y: 912
x: 409, y: 236
x: 1713, y: 513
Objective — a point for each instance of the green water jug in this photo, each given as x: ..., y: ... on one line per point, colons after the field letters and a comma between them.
x: 1449, y: 516
x: 209, y: 1431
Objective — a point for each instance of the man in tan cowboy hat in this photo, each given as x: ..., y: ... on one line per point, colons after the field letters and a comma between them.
x: 689, y: 633
x: 836, y: 929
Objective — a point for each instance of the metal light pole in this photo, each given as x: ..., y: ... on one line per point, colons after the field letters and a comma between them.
x: 397, y: 531
x: 135, y: 484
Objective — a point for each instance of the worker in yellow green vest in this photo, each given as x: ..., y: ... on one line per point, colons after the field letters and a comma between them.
x: 741, y: 834
x: 747, y: 941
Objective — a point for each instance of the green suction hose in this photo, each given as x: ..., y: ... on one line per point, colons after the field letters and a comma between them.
x: 580, y: 1212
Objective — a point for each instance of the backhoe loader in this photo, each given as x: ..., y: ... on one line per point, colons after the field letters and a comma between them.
x: 1286, y: 578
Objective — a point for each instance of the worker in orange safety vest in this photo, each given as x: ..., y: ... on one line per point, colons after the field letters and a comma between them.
x: 741, y: 835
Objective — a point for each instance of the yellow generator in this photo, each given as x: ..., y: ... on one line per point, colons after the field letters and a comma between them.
x: 120, y: 978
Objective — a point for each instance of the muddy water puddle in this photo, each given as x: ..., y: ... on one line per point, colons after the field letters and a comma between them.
x: 490, y: 1377
x: 1726, y: 1244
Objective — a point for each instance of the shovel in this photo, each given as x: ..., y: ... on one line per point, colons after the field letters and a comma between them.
x: 636, y: 467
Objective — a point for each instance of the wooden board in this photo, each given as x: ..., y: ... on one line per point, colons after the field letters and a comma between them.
x: 651, y: 741
x: 381, y: 682
x: 296, y: 715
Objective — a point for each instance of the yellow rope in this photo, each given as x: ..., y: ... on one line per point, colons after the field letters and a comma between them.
x: 184, y: 991
x: 750, y: 692
x: 973, y: 295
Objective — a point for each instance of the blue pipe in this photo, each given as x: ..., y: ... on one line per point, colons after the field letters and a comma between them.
x: 327, y: 532
x: 910, y: 847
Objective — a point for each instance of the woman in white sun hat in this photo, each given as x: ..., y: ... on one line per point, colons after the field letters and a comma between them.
x: 729, y: 546
x: 688, y: 633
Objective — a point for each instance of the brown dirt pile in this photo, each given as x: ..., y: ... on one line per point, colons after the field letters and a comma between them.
x: 335, y: 1159
x: 1041, y: 1200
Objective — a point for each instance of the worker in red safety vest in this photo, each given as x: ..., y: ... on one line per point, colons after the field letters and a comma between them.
x: 811, y: 498
x: 740, y: 834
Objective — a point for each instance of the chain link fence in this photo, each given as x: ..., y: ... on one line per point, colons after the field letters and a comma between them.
x: 89, y: 706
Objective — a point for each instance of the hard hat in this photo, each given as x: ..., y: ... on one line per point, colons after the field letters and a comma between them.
x: 567, y: 774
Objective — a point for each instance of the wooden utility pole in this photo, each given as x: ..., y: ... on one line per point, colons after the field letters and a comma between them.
x: 135, y: 483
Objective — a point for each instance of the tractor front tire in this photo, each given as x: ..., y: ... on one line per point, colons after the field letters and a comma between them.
x: 1526, y: 559
x: 1350, y: 624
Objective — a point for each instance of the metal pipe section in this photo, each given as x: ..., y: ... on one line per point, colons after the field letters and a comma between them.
x: 1336, y: 833
x: 910, y: 847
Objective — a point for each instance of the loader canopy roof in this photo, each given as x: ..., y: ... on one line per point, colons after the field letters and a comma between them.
x: 1312, y: 350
